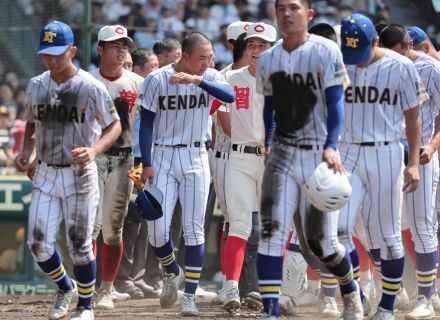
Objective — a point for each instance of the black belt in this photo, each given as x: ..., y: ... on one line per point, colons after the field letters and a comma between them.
x: 119, y: 151
x: 307, y: 147
x: 222, y: 155
x: 258, y: 150
x: 196, y: 144
x: 56, y: 166
x: 372, y: 144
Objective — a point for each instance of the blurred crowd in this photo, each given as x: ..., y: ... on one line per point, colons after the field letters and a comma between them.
x: 152, y: 20
x: 12, y: 104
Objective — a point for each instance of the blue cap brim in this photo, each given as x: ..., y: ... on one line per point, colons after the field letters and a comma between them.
x: 356, y: 56
x: 52, y: 50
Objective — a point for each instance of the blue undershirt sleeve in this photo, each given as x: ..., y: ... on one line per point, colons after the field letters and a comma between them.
x: 222, y: 92
x: 335, y: 115
x: 146, y: 136
x: 269, y: 121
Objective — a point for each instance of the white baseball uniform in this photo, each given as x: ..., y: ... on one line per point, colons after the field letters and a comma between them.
x: 245, y: 168
x: 180, y: 159
x: 370, y: 149
x: 421, y: 211
x: 68, y: 115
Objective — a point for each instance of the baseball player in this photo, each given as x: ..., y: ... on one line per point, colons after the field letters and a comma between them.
x: 420, y: 208
x: 167, y: 51
x: 303, y: 80
x: 245, y: 167
x: 177, y: 99
x: 384, y: 92
x: 421, y: 42
x: 66, y: 110
x: 221, y: 122
x: 114, y: 185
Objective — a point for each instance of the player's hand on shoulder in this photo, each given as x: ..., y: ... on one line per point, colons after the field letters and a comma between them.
x: 185, y: 78
x: 426, y: 153
x: 333, y: 160
x: 411, y: 178
x: 83, y: 156
x: 147, y: 175
x: 22, y: 162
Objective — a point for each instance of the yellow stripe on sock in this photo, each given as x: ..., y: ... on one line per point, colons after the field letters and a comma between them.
x: 86, y: 290
x: 329, y: 280
x: 192, y: 274
x: 167, y: 259
x: 58, y: 274
x: 270, y: 289
x: 425, y: 278
x: 356, y: 274
x: 390, y: 286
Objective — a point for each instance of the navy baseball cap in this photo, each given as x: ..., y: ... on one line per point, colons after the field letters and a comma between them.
x: 149, y: 203
x: 417, y: 35
x: 55, y: 38
x: 357, y: 36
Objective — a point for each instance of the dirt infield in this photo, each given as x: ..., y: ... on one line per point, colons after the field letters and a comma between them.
x: 36, y: 307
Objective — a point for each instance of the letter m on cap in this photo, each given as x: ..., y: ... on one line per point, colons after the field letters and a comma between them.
x: 48, y: 36
x: 352, y: 42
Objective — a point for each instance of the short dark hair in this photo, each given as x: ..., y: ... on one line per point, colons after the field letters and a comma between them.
x: 166, y: 46
x: 307, y: 3
x: 192, y: 40
x: 324, y: 30
x: 393, y: 35
x: 140, y: 56
x: 380, y: 26
x: 239, y: 47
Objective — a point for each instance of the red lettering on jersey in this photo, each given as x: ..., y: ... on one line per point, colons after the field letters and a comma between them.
x: 241, y: 97
x: 128, y: 96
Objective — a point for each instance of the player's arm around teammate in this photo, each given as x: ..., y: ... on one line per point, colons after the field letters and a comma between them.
x: 245, y: 168
x: 172, y: 98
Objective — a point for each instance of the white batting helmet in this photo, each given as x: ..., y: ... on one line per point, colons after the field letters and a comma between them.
x: 327, y: 190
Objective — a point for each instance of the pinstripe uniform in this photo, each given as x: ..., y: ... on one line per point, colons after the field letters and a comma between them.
x: 374, y: 114
x: 179, y: 157
x: 288, y: 166
x: 421, y: 203
x: 221, y: 153
x: 66, y: 116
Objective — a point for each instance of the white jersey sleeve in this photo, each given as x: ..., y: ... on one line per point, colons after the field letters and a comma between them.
x: 149, y: 94
x: 104, y: 110
x: 262, y: 86
x: 412, y: 89
x: 333, y: 68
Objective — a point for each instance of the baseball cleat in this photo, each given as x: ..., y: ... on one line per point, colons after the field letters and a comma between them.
x: 188, y: 307
x: 119, y: 296
x: 308, y: 297
x: 435, y: 300
x: 82, y: 313
x: 232, y: 302
x: 366, y: 306
x: 382, y: 314
x: 104, y: 300
x: 254, y: 301
x: 402, y: 300
x: 352, y: 306
x: 220, y: 298
x: 327, y: 306
x: 62, y: 301
x: 287, y: 306
x: 171, y: 283
x: 422, y: 309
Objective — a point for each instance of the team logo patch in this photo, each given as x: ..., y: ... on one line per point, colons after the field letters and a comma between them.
x: 352, y: 42
x: 259, y: 28
x: 119, y: 30
x: 48, y: 36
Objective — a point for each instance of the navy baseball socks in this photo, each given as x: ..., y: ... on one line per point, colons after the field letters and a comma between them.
x: 392, y: 271
x: 85, y: 279
x: 270, y: 275
x: 194, y: 256
x: 344, y: 274
x: 167, y: 260
x: 426, y: 272
x: 54, y: 269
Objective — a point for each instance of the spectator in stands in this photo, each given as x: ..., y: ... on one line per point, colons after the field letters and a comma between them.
x: 201, y: 21
x: 151, y: 9
x: 98, y: 15
x: 223, y: 56
x: 170, y: 26
x: 223, y: 13
x: 12, y: 78
x: 7, y: 99
x: 5, y: 154
x: 167, y: 51
x: 116, y: 8
x: 146, y: 39
x: 267, y: 12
